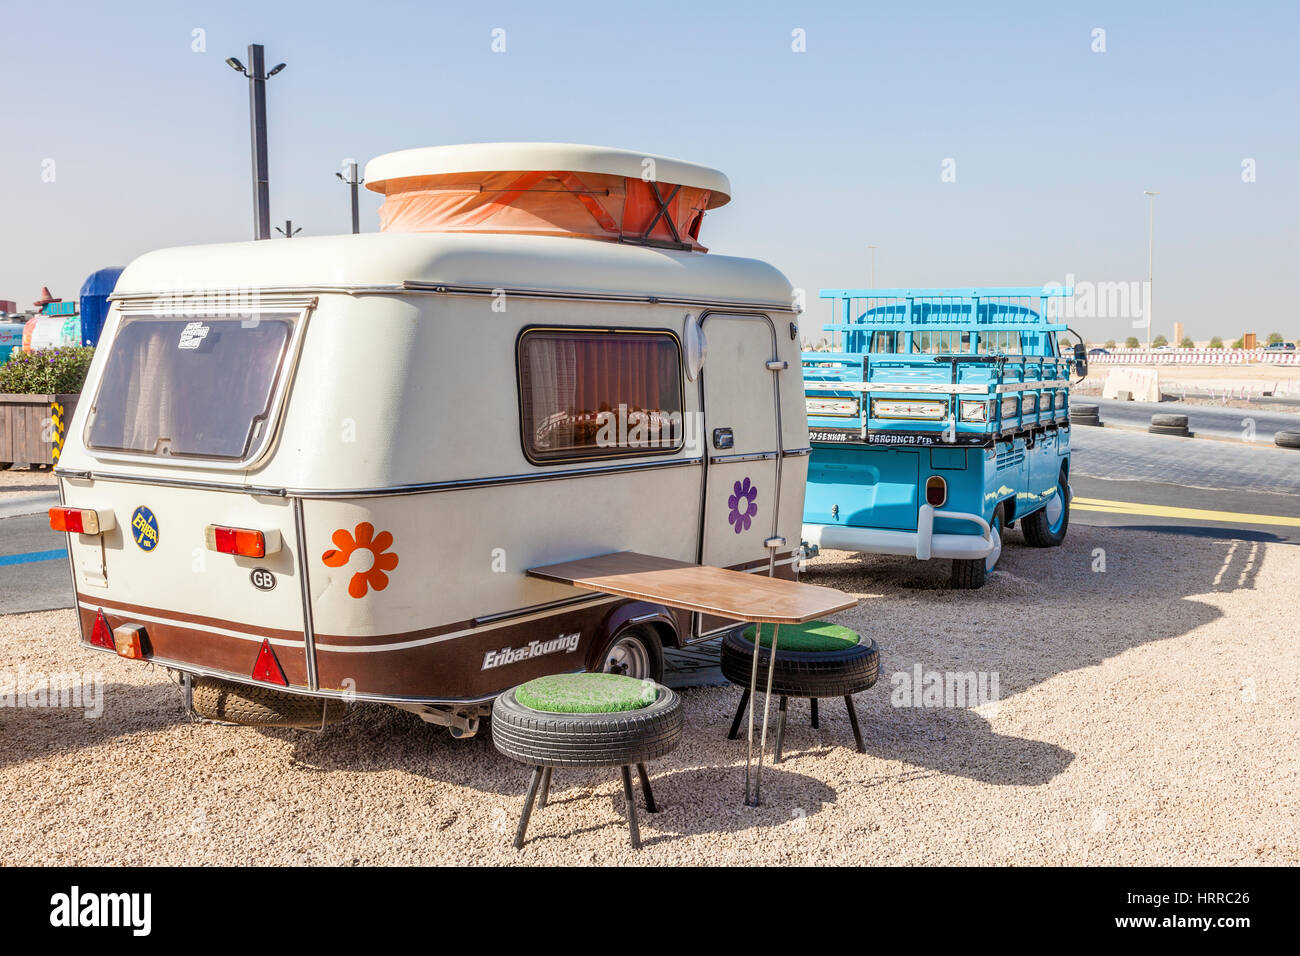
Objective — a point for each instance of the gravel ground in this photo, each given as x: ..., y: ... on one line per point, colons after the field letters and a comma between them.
x: 19, y: 482
x: 1147, y: 715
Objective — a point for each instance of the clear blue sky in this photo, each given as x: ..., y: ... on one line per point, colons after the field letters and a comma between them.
x: 827, y: 150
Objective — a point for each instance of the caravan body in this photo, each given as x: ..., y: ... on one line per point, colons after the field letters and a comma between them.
x: 346, y: 452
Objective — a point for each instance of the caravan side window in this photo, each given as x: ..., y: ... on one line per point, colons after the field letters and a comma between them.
x: 586, y: 394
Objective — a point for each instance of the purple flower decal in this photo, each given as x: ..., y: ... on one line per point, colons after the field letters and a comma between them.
x: 743, y: 505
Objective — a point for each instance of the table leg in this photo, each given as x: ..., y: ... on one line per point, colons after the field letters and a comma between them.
x: 546, y: 787
x: 767, y: 706
x: 752, y: 692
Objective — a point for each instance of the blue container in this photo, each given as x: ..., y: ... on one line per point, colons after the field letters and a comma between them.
x: 94, y: 302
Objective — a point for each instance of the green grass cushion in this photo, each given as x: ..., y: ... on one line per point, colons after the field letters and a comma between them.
x: 813, y: 636
x: 586, y: 693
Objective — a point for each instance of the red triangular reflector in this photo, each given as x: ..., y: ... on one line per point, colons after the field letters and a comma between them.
x: 267, y: 667
x: 101, y: 635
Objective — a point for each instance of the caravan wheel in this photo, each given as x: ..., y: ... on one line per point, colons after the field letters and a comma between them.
x: 635, y: 652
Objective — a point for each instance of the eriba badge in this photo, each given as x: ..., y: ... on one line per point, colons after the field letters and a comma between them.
x: 144, y: 528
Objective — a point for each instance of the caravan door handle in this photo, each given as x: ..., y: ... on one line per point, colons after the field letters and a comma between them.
x: 723, y: 438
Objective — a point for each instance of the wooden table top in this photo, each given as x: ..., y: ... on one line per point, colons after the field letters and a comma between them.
x: 696, y: 587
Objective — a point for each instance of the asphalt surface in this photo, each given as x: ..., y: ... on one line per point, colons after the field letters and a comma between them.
x: 1238, y: 424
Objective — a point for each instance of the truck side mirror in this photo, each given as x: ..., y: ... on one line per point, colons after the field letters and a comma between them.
x: 1081, y: 360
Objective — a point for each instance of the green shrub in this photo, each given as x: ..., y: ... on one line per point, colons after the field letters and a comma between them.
x: 1132, y: 342
x: 1187, y: 343
x: 1216, y: 343
x: 46, y: 371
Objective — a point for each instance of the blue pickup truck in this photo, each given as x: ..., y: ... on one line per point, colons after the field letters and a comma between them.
x: 938, y: 419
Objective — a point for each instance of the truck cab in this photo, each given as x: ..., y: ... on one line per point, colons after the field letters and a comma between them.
x: 939, y: 418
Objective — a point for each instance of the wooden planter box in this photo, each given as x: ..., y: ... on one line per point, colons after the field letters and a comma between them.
x: 30, y: 431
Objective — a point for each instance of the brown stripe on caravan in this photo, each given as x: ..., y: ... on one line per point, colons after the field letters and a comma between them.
x: 204, y: 649
x: 121, y: 607
x: 460, y: 669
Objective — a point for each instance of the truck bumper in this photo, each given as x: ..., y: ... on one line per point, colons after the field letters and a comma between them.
x: 922, y: 543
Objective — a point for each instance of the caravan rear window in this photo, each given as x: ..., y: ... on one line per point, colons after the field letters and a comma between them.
x: 187, y: 387
x: 597, y: 394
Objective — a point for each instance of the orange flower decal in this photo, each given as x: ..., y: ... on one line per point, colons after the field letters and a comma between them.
x: 363, y: 537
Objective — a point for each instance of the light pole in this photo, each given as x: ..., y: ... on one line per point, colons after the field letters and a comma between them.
x: 353, y: 182
x: 1151, y: 232
x: 257, y: 77
x: 288, y: 231
x: 873, y: 264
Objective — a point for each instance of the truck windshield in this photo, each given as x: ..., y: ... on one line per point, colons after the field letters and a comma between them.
x: 189, y: 387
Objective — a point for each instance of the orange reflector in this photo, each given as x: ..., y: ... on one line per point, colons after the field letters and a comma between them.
x: 101, y: 635
x: 936, y: 491
x: 267, y: 667
x: 242, y: 541
x: 75, y: 520
x: 129, y: 641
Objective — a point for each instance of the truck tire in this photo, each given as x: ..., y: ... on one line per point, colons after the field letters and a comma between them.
x: 1287, y: 439
x: 1046, y: 527
x: 803, y: 673
x: 544, y: 739
x: 971, y: 574
x: 251, y: 706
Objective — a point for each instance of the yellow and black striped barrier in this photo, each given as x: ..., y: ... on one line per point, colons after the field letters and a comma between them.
x: 59, y: 429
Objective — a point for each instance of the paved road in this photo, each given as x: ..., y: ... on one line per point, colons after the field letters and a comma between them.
x: 1206, y: 420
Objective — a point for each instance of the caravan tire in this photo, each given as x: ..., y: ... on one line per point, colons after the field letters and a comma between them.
x: 803, y: 673
x: 232, y: 703
x: 544, y: 739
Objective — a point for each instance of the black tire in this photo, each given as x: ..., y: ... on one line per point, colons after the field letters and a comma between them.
x: 252, y: 706
x: 648, y: 638
x: 1179, y: 431
x: 1170, y: 421
x: 543, y: 739
x: 6, y: 465
x: 971, y: 574
x: 1287, y: 439
x: 803, y: 673
x: 1036, y: 527
x: 1085, y: 411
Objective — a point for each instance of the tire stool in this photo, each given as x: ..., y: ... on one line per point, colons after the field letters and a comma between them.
x: 586, y: 720
x: 813, y: 660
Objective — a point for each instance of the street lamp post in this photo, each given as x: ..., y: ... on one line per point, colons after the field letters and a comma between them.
x: 353, y: 182
x: 257, y: 77
x: 873, y: 264
x: 1151, y: 232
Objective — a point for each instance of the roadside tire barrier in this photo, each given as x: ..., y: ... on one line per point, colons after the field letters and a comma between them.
x: 1287, y: 439
x: 804, y: 673
x: 1170, y: 421
x: 233, y: 703
x: 545, y: 739
x: 1175, y: 430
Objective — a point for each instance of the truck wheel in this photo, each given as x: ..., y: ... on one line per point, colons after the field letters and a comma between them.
x: 971, y: 575
x: 234, y: 703
x: 634, y: 652
x: 1046, y: 527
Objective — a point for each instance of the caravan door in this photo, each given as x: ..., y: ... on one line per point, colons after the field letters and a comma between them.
x: 742, y: 444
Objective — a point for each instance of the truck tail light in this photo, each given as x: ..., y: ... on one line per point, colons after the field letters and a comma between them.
x: 242, y: 541
x: 936, y: 491
x: 80, y: 520
x: 267, y: 667
x: 101, y: 635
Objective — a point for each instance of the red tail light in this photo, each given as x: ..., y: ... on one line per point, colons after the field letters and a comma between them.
x: 936, y: 491
x: 80, y: 520
x: 101, y: 635
x: 267, y: 667
x: 242, y: 541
